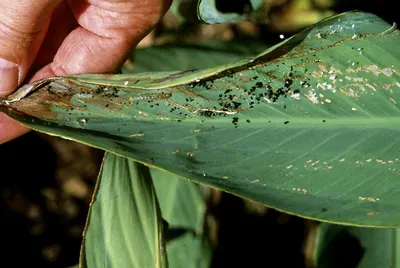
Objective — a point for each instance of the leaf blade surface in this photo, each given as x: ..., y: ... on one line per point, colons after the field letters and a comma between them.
x: 310, y: 126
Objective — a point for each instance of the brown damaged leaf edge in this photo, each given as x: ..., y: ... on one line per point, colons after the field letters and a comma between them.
x: 59, y: 91
x: 48, y: 92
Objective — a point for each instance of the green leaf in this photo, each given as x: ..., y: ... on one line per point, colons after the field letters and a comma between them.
x: 124, y: 227
x: 183, y: 207
x: 208, y: 11
x: 256, y: 4
x: 310, y: 126
x: 188, y: 251
x: 181, y: 203
x: 185, y: 10
x: 343, y: 246
x: 215, y: 12
x: 186, y: 56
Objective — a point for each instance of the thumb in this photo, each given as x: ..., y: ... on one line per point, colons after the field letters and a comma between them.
x: 23, y: 26
x: 9, y: 77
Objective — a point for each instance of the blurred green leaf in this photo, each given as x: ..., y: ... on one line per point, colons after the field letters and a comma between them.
x: 215, y: 12
x: 124, y: 227
x: 256, y: 4
x: 185, y: 10
x: 180, y: 57
x: 343, y: 246
x: 310, y: 126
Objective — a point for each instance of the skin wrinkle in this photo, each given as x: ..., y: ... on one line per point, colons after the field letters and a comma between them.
x: 18, y: 40
x: 62, y: 23
x: 110, y: 28
x: 22, y: 26
x: 107, y: 20
x: 124, y: 6
x: 5, y: 25
x: 88, y: 50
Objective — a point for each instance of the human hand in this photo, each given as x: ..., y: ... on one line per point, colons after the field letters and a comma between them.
x: 45, y: 38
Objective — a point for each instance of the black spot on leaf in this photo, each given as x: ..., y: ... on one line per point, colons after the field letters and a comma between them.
x: 235, y: 121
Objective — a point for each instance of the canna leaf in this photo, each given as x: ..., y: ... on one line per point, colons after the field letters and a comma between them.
x: 215, y: 12
x: 212, y: 12
x: 186, y: 56
x: 124, y: 227
x: 189, y: 251
x: 311, y: 126
x: 184, y: 209
x: 181, y: 203
x: 344, y: 246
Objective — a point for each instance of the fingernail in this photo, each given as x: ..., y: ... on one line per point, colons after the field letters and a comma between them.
x: 8, y: 77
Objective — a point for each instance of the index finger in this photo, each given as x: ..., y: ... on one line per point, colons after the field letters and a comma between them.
x: 108, y: 31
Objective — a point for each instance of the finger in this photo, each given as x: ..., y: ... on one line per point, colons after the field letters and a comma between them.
x: 23, y: 25
x: 10, y: 129
x: 108, y: 32
x: 61, y: 24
